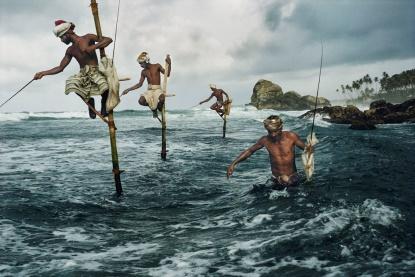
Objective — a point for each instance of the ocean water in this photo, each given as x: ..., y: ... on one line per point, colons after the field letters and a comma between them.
x: 59, y: 215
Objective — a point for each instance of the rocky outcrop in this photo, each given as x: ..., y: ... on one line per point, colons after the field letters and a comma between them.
x: 268, y: 95
x: 380, y: 112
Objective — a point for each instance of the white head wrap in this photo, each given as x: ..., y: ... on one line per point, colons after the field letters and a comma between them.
x: 61, y: 27
x: 143, y: 58
x: 273, y: 124
x: 212, y: 86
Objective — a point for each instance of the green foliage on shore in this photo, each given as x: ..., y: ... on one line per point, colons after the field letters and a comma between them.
x: 395, y: 88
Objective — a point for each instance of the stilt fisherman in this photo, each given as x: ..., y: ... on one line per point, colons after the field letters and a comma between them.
x: 89, y: 81
x: 154, y: 97
x: 219, y: 105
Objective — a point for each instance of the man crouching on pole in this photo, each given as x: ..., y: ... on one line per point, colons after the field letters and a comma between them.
x: 89, y: 81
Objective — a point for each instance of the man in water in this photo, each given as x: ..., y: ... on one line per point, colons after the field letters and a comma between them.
x: 281, y: 148
x: 90, y: 81
x: 218, y: 105
x: 154, y: 96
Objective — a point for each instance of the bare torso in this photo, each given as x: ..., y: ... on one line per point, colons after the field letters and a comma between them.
x: 218, y: 93
x: 281, y: 153
x: 152, y: 73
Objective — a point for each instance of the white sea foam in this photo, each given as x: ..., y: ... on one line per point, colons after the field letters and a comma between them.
x: 72, y: 234
x: 185, y: 264
x: 257, y: 220
x: 13, y: 116
x: 378, y: 213
x: 275, y: 194
x: 53, y: 115
x: 345, y: 251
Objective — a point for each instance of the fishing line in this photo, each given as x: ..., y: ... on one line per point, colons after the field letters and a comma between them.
x: 16, y: 93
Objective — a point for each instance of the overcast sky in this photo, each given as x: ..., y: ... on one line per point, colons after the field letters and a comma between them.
x: 231, y: 43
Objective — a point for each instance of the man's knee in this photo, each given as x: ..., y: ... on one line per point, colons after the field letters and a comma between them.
x: 142, y: 101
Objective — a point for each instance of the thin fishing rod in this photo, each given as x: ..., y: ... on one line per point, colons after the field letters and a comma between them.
x: 16, y: 93
x: 116, y: 30
x: 318, y: 87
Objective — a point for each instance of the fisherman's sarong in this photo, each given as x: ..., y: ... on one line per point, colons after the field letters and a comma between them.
x: 152, y: 96
x: 280, y: 183
x: 88, y: 82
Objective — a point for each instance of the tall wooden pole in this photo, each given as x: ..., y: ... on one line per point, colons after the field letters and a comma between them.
x: 163, y: 153
x: 111, y: 123
x: 224, y: 126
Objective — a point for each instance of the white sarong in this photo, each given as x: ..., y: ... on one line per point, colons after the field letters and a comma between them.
x: 152, y: 96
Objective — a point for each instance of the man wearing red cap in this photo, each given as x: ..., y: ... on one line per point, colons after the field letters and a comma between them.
x: 89, y: 81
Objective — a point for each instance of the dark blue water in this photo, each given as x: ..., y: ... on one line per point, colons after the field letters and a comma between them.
x: 59, y: 215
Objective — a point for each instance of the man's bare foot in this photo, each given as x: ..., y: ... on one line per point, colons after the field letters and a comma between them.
x: 92, y: 114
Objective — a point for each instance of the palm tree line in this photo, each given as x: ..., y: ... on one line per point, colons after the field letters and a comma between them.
x: 395, y: 88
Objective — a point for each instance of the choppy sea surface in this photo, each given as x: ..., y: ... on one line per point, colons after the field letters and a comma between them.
x: 59, y: 215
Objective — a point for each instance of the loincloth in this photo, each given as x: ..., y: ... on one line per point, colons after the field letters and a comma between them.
x: 152, y: 96
x: 88, y: 82
x: 284, y: 181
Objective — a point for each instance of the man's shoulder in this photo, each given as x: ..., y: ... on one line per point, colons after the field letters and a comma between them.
x: 69, y: 50
x: 263, y: 139
x: 290, y: 134
x: 154, y: 65
x: 89, y: 37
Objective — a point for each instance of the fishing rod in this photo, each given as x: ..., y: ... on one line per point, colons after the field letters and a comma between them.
x: 116, y: 31
x: 318, y: 87
x: 16, y: 93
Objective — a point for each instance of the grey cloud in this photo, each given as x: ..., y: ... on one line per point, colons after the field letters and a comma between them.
x: 374, y: 29
x: 353, y: 32
x: 272, y: 17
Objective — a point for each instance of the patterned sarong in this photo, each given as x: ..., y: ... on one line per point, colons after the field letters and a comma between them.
x: 88, y: 82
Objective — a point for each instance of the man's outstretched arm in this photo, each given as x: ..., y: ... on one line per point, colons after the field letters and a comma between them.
x: 243, y: 156
x: 65, y: 61
x: 136, y: 86
x: 204, y: 101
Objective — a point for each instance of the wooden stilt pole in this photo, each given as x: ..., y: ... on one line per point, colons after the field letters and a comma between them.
x: 111, y: 124
x: 226, y: 111
x: 163, y: 153
x: 224, y: 126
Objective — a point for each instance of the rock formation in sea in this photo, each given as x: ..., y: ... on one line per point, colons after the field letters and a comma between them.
x: 268, y: 95
x: 379, y: 112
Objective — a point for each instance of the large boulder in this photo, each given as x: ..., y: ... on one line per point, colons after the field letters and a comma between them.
x: 311, y: 101
x: 338, y: 114
x: 380, y: 112
x: 265, y: 94
x: 268, y: 95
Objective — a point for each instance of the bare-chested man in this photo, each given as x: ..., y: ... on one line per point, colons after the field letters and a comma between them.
x: 154, y: 96
x: 90, y: 81
x: 218, y: 94
x: 281, y: 148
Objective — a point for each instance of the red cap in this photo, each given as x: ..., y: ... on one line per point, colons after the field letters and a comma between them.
x: 59, y: 22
